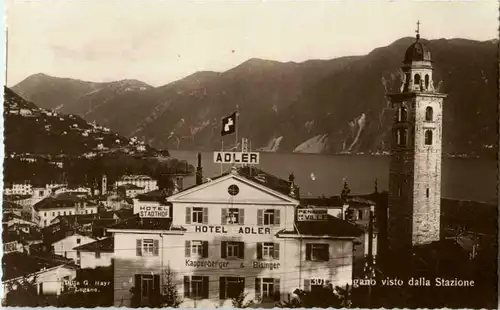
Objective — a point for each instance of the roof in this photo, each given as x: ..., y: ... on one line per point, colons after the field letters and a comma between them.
x: 57, y: 202
x: 104, y: 245
x: 129, y: 186
x: 332, y: 227
x: 156, y: 195
x: 50, y: 237
x: 135, y: 178
x: 418, y: 51
x: 17, y: 264
x: 137, y: 223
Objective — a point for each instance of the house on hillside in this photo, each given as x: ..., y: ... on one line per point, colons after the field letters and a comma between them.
x: 64, y: 204
x: 96, y: 254
x: 63, y: 243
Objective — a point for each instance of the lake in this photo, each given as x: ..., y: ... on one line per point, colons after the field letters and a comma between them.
x: 465, y: 179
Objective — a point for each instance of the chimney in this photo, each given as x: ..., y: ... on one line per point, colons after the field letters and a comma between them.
x: 199, y: 171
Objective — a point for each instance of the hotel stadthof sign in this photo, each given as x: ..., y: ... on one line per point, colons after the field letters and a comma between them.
x: 312, y: 215
x: 152, y: 211
x: 251, y: 158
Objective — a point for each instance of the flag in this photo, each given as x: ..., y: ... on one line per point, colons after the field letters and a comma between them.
x: 228, y: 125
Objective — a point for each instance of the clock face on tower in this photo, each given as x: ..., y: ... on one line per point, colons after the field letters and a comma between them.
x: 233, y: 190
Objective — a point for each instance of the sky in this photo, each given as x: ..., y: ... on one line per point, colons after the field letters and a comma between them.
x: 160, y: 41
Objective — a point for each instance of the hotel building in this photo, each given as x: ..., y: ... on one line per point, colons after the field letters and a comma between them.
x: 238, y: 232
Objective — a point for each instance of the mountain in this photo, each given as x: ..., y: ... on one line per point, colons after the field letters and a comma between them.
x: 29, y: 129
x: 317, y: 106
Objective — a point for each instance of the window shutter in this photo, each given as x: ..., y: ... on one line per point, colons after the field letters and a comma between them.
x: 241, y: 214
x: 205, y: 287
x: 188, y: 248
x: 205, y: 249
x: 259, y: 250
x: 139, y: 247
x: 156, y: 247
x: 277, y: 292
x: 276, y: 251
x: 307, y: 285
x: 187, y: 283
x: 222, y: 288
x: 257, y: 288
x: 188, y: 215
x: 277, y: 214
x: 137, y: 283
x: 326, y: 254
x: 241, y: 249
x: 223, y: 216
x: 308, y: 251
x: 223, y: 249
x: 205, y: 215
x: 260, y: 217
x: 156, y: 287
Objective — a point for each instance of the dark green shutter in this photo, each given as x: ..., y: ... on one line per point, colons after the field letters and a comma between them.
x: 259, y: 250
x: 257, y: 288
x: 277, y: 215
x: 187, y: 248
x: 277, y: 292
x: 156, y: 290
x: 241, y: 215
x: 205, y: 287
x: 205, y: 215
x: 308, y: 252
x: 156, y: 247
x: 307, y: 285
x: 260, y: 217
x: 188, y: 215
x: 138, y: 247
x: 223, y: 216
x: 187, y: 283
x: 241, y: 249
x: 205, y: 249
x: 276, y: 251
x: 223, y: 249
x: 222, y: 288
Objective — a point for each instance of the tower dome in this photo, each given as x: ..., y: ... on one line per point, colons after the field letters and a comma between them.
x: 418, y: 51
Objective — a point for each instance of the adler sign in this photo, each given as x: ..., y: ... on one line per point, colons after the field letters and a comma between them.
x: 236, y: 158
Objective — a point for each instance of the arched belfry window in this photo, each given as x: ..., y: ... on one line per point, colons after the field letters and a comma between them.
x: 402, y: 136
x: 402, y: 114
x: 428, y: 137
x: 427, y: 82
x: 416, y: 79
x: 429, y: 114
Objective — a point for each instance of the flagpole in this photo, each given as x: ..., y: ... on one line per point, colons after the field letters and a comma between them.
x: 236, y: 128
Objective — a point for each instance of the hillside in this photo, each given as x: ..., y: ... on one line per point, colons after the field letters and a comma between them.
x: 318, y: 106
x: 35, y: 131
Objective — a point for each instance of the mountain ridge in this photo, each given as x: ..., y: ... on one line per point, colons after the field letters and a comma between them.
x: 294, y: 102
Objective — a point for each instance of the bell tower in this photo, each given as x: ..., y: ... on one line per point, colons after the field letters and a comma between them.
x: 415, y: 168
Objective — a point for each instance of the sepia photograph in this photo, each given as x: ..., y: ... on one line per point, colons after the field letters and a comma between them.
x: 250, y: 154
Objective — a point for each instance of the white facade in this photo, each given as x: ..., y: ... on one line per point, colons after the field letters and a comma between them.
x: 48, y: 214
x: 226, y: 236
x: 64, y: 247
x: 95, y: 259
x: 49, y: 281
x: 19, y: 189
x: 144, y: 181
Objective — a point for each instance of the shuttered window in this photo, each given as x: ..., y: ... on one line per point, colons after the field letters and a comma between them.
x: 196, y: 287
x: 232, y: 249
x: 317, y: 252
x: 147, y: 247
x: 196, y: 248
x: 268, y: 217
x: 231, y: 287
x: 268, y: 250
x: 267, y: 289
x: 233, y: 216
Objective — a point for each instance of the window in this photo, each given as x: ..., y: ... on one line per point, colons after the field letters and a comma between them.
x: 232, y: 249
x: 64, y: 213
x: 53, y: 214
x: 267, y: 289
x: 360, y: 214
x: 232, y: 216
x: 149, y: 288
x: 417, y: 79
x: 427, y: 81
x: 58, y: 213
x: 400, y: 191
x: 196, y: 287
x: 429, y: 114
x: 197, y: 215
x: 44, y: 213
x: 97, y: 254
x: 147, y: 247
x: 70, y: 212
x: 268, y: 217
x: 196, y: 248
x: 402, y: 114
x: 268, y: 250
x: 428, y: 137
x: 317, y: 252
x: 78, y: 240
x: 78, y: 257
x: 427, y: 192
x: 231, y: 287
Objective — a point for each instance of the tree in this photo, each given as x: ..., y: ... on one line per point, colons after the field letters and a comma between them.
x: 23, y: 293
x: 345, y: 191
x: 239, y: 301
x: 170, y: 295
